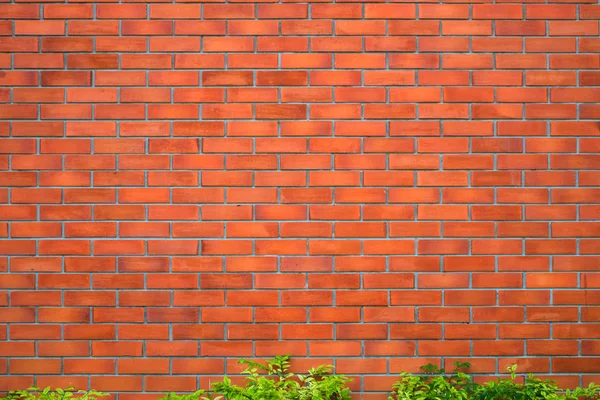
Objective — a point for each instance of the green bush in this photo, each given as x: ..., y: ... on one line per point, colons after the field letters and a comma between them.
x: 273, y: 381
x: 435, y: 384
x: 35, y: 393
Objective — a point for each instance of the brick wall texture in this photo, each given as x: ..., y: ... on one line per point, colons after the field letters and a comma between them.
x: 372, y: 184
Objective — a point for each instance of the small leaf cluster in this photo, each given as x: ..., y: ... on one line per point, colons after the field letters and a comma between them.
x: 435, y: 384
x: 34, y: 393
x: 197, y: 395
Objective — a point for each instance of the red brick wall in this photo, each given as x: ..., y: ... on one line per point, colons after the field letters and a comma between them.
x: 373, y: 185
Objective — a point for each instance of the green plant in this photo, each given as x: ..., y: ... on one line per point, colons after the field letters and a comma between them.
x: 34, y: 393
x: 320, y: 384
x: 277, y: 383
x: 273, y: 381
x: 531, y: 389
x: 435, y: 384
x: 197, y: 395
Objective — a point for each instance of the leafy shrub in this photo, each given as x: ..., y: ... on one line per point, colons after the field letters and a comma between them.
x: 34, y: 393
x: 532, y: 389
x: 273, y: 381
x: 435, y: 384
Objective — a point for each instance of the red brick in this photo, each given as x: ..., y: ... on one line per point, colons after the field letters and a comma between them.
x: 20, y: 11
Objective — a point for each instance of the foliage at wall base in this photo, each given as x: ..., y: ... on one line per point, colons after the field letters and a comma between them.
x: 274, y: 381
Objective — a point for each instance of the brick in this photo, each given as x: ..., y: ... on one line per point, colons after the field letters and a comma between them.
x: 40, y: 27
x: 20, y: 11
x: 444, y: 44
x: 219, y: 44
x: 140, y: 27
x: 124, y: 44
x: 341, y: 11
